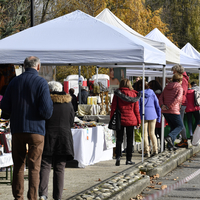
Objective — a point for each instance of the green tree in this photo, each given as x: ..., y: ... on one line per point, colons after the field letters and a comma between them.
x: 182, y: 17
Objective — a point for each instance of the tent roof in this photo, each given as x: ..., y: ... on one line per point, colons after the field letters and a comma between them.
x: 191, y: 51
x: 78, y: 39
x: 151, y: 73
x: 185, y: 60
x: 171, y: 55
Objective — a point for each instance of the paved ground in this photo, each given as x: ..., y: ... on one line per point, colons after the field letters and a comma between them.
x: 77, y: 179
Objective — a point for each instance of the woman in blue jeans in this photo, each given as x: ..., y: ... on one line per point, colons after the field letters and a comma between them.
x: 170, y: 103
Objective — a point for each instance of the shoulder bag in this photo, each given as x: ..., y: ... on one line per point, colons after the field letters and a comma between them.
x: 115, y: 122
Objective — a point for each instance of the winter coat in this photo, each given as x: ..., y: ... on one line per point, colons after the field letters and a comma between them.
x: 27, y: 100
x: 128, y: 106
x: 185, y: 88
x: 191, y: 107
x: 151, y: 106
x: 84, y: 96
x: 74, y: 102
x: 58, y: 138
x: 172, y: 97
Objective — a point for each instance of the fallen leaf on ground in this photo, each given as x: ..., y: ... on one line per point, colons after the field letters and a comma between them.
x: 163, y: 187
x: 159, y: 183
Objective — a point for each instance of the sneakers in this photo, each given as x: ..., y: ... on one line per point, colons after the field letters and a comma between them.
x: 182, y: 144
x: 129, y: 162
x: 147, y: 155
x: 169, y: 140
x: 43, y: 198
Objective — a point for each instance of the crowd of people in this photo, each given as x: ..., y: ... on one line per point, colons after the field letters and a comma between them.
x: 41, y: 116
x: 173, y: 102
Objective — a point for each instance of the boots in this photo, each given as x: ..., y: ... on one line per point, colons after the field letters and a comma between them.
x: 182, y: 144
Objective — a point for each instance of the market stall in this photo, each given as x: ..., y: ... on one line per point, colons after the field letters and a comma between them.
x: 93, y: 142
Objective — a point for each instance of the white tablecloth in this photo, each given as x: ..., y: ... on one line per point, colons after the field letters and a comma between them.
x: 6, y: 160
x: 90, y: 146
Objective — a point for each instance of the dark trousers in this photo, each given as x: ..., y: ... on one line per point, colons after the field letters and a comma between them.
x: 58, y: 163
x: 175, y: 123
x: 35, y: 148
x: 189, y: 118
x: 129, y: 136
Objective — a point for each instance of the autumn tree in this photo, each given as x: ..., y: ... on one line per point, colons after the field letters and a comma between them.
x: 14, y: 16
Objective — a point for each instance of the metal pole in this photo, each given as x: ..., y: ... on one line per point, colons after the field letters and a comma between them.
x: 32, y: 13
x: 163, y: 118
x: 97, y: 72
x: 199, y: 78
x: 143, y: 88
x: 79, y: 76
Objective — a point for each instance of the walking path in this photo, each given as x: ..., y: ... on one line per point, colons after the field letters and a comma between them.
x: 80, y: 180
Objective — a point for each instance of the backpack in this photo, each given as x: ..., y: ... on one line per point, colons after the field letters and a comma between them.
x: 197, y: 97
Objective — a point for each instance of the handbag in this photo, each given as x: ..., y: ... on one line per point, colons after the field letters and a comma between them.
x: 115, y: 122
x: 196, y: 136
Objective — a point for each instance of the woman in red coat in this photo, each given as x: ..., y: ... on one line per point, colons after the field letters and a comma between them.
x: 127, y: 100
x: 191, y: 108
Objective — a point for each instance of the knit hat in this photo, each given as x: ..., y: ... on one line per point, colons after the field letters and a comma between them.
x: 55, y: 86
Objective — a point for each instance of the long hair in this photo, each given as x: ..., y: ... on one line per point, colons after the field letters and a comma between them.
x: 125, y: 83
x: 138, y: 85
x: 154, y: 85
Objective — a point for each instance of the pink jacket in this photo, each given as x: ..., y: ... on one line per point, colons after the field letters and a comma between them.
x: 191, y: 107
x: 172, y: 97
x: 185, y: 88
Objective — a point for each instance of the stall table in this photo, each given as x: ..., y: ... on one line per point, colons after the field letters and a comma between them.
x: 6, y: 162
x: 90, y: 146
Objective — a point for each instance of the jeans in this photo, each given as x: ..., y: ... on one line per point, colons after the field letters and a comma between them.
x: 119, y: 136
x: 35, y: 148
x: 58, y: 162
x: 183, y: 132
x: 189, y: 118
x: 176, y: 124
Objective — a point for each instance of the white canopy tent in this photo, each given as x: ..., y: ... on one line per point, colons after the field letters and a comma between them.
x: 172, y: 56
x: 185, y: 60
x: 191, y: 51
x: 78, y: 39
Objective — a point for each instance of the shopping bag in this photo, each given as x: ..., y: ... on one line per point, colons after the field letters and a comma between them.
x: 138, y: 135
x: 196, y: 136
x: 115, y: 122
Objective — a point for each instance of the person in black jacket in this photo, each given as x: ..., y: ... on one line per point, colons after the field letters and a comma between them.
x: 74, y: 99
x: 58, y: 146
x: 84, y: 95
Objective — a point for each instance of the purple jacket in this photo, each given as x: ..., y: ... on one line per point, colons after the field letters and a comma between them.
x: 151, y: 106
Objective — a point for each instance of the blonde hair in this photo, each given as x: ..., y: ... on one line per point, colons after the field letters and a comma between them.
x: 177, y: 77
x: 125, y: 83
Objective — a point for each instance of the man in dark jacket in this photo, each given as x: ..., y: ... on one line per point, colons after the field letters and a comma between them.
x: 27, y: 100
x: 84, y: 95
